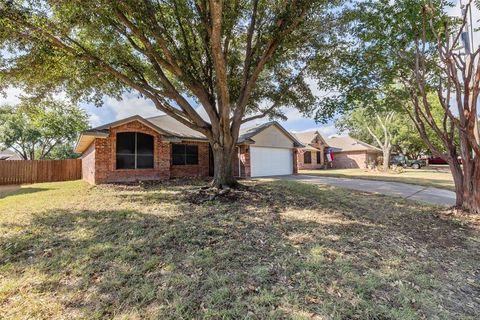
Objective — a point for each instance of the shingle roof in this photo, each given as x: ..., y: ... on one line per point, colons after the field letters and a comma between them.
x: 246, y: 133
x: 168, y: 126
x: 305, y: 137
x: 175, y: 128
x: 347, y: 143
x: 308, y: 138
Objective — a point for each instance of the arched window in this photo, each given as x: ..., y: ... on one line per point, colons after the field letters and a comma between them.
x: 134, y: 150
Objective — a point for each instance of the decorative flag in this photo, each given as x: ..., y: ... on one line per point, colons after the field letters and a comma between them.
x: 330, y: 156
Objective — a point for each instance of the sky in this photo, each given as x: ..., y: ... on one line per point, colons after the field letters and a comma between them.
x: 456, y: 12
x: 131, y: 104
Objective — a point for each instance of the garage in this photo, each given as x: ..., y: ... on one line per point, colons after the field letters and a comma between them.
x: 267, y: 161
x: 266, y: 150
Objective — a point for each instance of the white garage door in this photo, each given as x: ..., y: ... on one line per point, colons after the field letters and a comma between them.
x: 270, y: 161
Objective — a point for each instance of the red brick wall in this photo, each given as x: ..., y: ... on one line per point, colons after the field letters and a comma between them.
x: 88, y: 164
x: 316, y: 143
x: 99, y: 161
x: 105, y: 158
x: 199, y: 170
x: 353, y: 159
x: 313, y: 164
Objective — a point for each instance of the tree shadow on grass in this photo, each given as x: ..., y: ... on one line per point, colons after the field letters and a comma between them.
x: 293, y: 251
x: 20, y: 191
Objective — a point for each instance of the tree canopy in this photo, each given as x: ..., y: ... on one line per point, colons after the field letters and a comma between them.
x: 41, y: 130
x: 377, y: 54
x: 238, y: 60
x: 410, y: 53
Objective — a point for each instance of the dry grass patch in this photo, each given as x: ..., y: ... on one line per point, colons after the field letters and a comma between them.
x: 290, y: 250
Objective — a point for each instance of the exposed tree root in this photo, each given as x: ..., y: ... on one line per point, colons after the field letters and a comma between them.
x: 226, y: 194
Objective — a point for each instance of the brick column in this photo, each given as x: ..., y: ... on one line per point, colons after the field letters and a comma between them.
x: 295, y: 166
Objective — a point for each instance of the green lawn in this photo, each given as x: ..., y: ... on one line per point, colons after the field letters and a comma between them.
x: 433, y: 176
x: 287, y: 250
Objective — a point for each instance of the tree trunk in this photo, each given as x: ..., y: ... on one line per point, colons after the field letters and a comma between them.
x: 223, y: 160
x: 471, y: 199
x: 457, y: 174
x: 386, y: 159
x: 471, y: 187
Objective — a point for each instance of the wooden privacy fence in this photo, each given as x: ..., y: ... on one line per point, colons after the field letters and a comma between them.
x: 32, y: 171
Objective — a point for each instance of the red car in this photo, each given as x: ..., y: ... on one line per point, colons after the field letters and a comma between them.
x: 436, y: 160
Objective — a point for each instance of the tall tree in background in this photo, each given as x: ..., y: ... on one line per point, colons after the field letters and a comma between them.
x: 239, y: 60
x: 404, y: 137
x: 414, y: 47
x: 41, y: 129
x: 373, y: 127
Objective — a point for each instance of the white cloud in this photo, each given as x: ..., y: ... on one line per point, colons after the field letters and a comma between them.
x: 129, y: 106
x: 455, y: 11
x: 94, y: 120
x: 201, y: 111
x: 326, y: 131
x: 293, y: 114
x: 11, y: 96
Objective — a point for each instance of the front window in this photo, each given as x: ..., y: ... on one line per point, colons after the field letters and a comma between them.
x: 134, y: 150
x: 183, y: 154
x: 318, y: 157
x: 307, y: 157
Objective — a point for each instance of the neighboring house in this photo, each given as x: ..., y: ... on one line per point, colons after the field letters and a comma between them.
x: 312, y: 156
x: 351, y: 153
x: 160, y: 148
x: 9, y: 155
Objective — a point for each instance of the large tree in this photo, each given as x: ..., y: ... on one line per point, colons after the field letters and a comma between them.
x: 239, y: 60
x: 44, y: 129
x: 374, y: 127
x: 414, y: 47
x: 390, y: 129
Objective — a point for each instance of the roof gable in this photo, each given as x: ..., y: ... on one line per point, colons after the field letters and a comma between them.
x: 249, y: 134
x: 138, y: 118
x: 310, y: 137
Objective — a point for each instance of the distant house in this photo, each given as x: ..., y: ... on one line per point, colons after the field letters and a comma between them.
x: 9, y: 155
x: 352, y: 153
x: 157, y: 148
x: 312, y: 155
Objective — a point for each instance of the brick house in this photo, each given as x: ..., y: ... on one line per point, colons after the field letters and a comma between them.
x: 312, y: 155
x: 161, y: 148
x: 352, y: 153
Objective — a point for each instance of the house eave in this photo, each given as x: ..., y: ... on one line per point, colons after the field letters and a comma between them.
x: 86, y: 138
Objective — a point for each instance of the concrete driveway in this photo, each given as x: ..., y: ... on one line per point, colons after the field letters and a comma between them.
x: 397, y: 189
